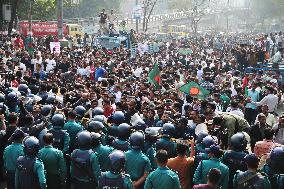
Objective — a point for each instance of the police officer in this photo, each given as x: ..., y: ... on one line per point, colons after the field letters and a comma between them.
x: 29, y: 169
x: 101, y: 151
x: 117, y: 118
x: 151, y: 136
x: 162, y: 177
x: 80, y: 112
x: 115, y: 178
x: 121, y: 143
x: 251, y: 178
x: 61, y: 137
x: 11, y: 154
x: 200, y: 175
x: 168, y: 131
x: 137, y: 164
x: 54, y: 164
x: 72, y: 128
x: 85, y: 168
x: 98, y: 127
x: 234, y: 158
x: 274, y: 167
x: 11, y: 102
x: 97, y: 111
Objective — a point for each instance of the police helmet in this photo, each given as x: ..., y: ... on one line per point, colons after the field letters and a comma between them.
x: 123, y: 130
x: 50, y: 100
x: 99, y: 118
x: 238, y: 141
x: 208, y: 141
x: 168, y: 129
x: 118, y: 117
x: 140, y: 125
x: 12, y: 97
x: 2, y: 108
x: 95, y: 126
x: 57, y: 120
x: 277, y: 154
x: 98, y: 111
x: 2, y: 97
x: 45, y: 110
x: 80, y: 111
x: 23, y: 89
x: 137, y: 140
x: 201, y: 136
x: 117, y: 161
x: 31, y: 145
x: 84, y: 139
x: 96, y: 138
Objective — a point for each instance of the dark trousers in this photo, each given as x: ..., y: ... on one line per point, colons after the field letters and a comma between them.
x: 82, y: 185
x: 10, y: 180
x: 250, y: 115
x: 53, y: 181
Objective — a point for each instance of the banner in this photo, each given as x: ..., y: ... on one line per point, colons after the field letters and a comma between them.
x: 55, y: 47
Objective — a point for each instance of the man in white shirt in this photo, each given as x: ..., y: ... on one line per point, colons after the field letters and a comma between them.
x: 37, y: 62
x: 50, y: 64
x: 234, y: 109
x: 271, y: 100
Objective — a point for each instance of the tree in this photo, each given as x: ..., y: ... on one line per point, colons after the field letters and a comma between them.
x: 148, y: 7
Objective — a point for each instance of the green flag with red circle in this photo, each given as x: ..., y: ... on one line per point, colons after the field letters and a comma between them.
x: 194, y: 90
x: 154, y: 76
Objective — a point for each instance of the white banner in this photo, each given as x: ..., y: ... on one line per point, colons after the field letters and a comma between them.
x: 55, y: 47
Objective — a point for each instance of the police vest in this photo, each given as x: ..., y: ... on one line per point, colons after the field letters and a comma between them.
x: 58, y: 138
x: 250, y: 181
x: 111, y: 183
x: 82, y: 165
x: 28, y: 178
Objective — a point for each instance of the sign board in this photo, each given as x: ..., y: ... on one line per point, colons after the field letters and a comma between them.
x: 137, y: 11
x: 55, y: 47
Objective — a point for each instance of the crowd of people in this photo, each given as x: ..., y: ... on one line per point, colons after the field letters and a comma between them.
x: 89, y: 117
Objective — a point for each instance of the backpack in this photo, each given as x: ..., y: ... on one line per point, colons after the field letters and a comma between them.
x: 111, y: 183
x: 58, y: 135
x: 28, y: 178
x: 82, y: 165
x: 254, y: 181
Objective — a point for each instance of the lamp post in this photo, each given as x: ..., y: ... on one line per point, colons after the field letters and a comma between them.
x: 136, y: 3
x: 60, y: 18
x: 30, y: 17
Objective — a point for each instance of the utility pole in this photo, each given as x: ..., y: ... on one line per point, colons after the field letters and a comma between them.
x: 30, y: 17
x: 136, y: 17
x: 60, y: 18
x: 228, y: 5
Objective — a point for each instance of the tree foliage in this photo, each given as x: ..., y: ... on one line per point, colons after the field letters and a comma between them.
x: 46, y: 9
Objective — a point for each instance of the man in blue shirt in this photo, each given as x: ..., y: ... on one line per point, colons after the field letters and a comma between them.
x: 251, y: 109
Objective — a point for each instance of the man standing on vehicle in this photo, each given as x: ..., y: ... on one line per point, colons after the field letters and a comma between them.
x: 102, y: 22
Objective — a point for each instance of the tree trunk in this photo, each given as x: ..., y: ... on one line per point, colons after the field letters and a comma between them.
x: 145, y: 14
x: 14, y: 5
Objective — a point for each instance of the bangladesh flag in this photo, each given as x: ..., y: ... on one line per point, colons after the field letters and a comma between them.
x: 154, y: 76
x: 194, y: 90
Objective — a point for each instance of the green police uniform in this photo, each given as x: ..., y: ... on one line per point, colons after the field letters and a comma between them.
x: 72, y: 128
x: 249, y: 178
x: 10, y: 156
x: 151, y: 154
x: 38, y: 169
x: 166, y: 144
x: 66, y: 140
x: 102, y: 155
x: 55, y: 166
x: 136, y: 164
x: 94, y: 164
x: 162, y: 178
x: 200, y: 175
x: 127, y: 181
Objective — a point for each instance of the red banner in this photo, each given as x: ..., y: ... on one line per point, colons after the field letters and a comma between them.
x: 40, y: 29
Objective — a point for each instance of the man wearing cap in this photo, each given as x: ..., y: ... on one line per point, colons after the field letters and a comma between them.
x: 200, y: 175
x: 11, y: 154
x: 251, y: 177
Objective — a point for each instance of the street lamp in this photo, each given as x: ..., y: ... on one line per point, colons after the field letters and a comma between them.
x: 30, y: 17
